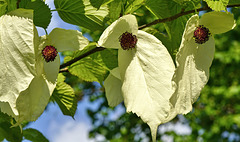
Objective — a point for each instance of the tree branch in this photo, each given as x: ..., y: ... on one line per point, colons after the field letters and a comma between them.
x: 18, y: 3
x: 80, y: 57
x: 182, y: 13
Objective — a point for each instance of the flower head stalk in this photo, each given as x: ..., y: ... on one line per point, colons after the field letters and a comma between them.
x: 49, y: 53
x: 128, y: 41
x: 201, y: 34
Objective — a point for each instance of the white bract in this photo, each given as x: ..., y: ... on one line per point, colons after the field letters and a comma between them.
x: 194, y: 60
x: 28, y: 79
x: 17, y: 66
x: 143, y: 78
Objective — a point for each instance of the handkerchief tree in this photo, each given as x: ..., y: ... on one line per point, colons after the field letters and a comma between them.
x: 154, y: 68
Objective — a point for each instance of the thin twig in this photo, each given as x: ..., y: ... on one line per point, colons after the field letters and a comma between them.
x: 18, y: 3
x: 182, y: 13
x: 63, y: 70
x: 81, y: 56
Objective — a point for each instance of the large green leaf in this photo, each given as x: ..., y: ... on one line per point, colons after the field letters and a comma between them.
x: 34, y: 135
x: 42, y: 13
x: 217, y: 5
x: 81, y: 13
x: 8, y: 132
x: 64, y: 96
x: 17, y: 66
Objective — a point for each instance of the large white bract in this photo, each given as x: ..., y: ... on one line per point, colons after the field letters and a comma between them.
x: 194, y: 60
x: 28, y: 79
x: 143, y: 78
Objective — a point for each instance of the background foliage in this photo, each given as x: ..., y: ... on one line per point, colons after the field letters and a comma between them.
x: 216, y: 115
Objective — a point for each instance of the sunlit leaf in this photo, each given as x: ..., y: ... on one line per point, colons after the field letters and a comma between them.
x: 217, y: 5
x: 34, y: 135
x: 90, y: 68
x: 64, y: 96
x: 133, y: 6
x: 81, y: 13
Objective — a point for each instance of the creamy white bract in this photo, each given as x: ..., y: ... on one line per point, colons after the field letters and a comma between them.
x: 194, y: 60
x: 143, y: 78
x: 28, y: 79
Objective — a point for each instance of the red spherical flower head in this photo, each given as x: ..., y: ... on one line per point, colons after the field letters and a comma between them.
x: 49, y: 53
x: 201, y: 34
x: 128, y: 41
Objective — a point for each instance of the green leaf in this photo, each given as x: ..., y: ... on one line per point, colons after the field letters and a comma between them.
x: 160, y: 8
x: 217, y: 5
x: 96, y: 3
x: 110, y: 58
x: 42, y: 13
x: 81, y: 13
x: 64, y: 96
x: 34, y: 135
x: 17, y: 57
x: 8, y: 132
x: 174, y: 29
x: 12, y: 5
x: 7, y: 6
x: 233, y: 2
x: 91, y: 68
x: 133, y: 6
x: 3, y: 7
x: 115, y: 9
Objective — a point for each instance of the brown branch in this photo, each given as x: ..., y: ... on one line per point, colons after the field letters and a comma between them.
x: 182, y: 13
x: 18, y: 3
x: 80, y: 57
